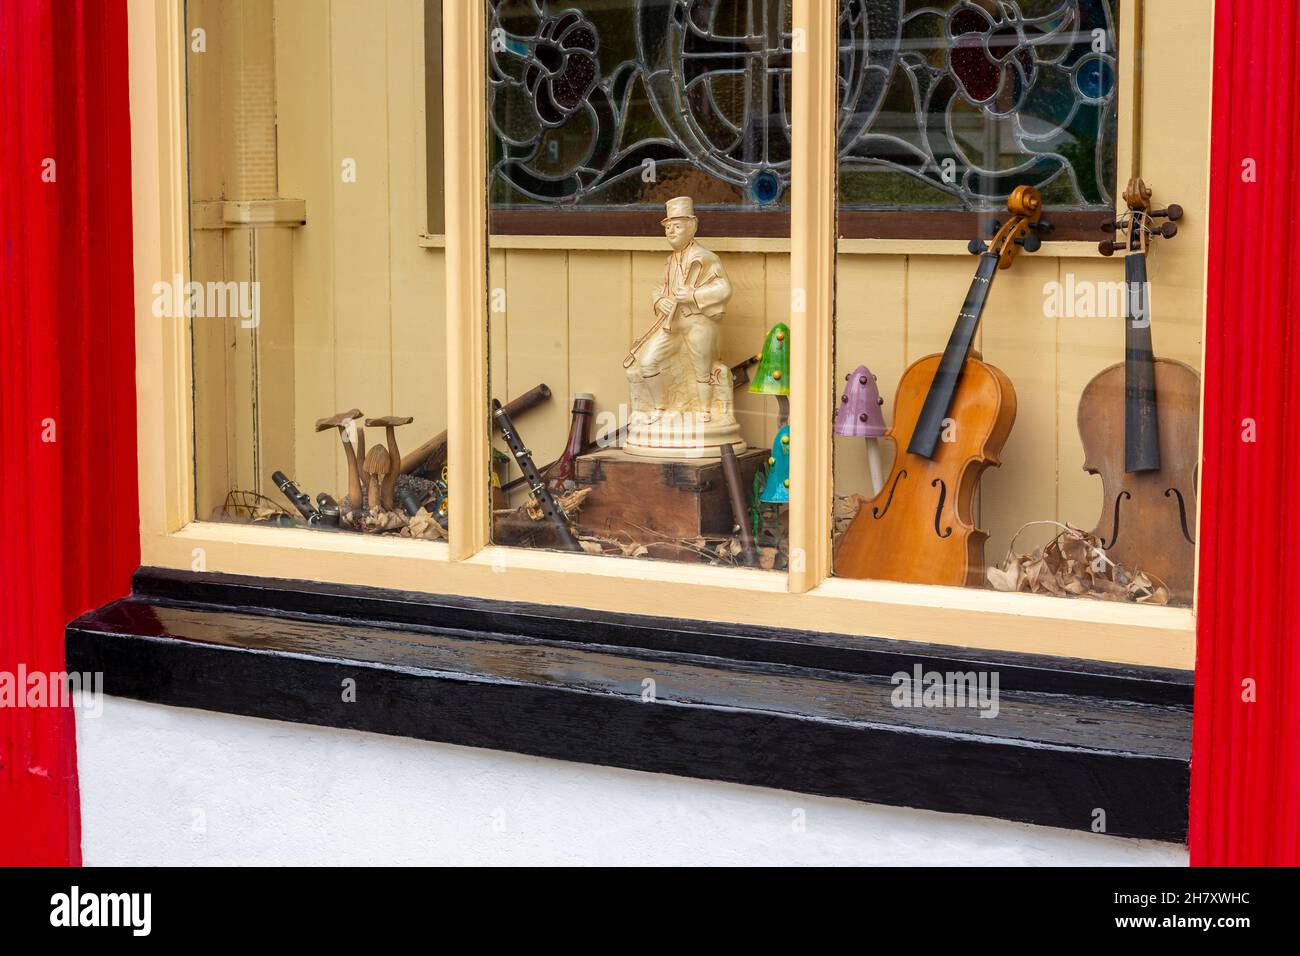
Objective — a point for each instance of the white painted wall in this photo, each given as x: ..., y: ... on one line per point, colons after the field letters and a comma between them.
x: 165, y: 785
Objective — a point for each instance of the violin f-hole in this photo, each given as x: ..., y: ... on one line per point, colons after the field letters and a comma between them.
x: 876, y: 510
x: 1182, y: 512
x: 938, y: 509
x: 1114, y: 534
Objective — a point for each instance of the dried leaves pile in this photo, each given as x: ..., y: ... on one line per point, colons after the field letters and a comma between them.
x: 570, y: 503
x: 651, y: 544
x: 1074, y: 563
x: 424, y: 525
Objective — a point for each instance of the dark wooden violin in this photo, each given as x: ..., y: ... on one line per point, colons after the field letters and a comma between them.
x: 1149, y: 478
x: 955, y: 412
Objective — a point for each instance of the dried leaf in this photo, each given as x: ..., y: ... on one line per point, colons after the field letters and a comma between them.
x: 729, y: 548
x: 425, y: 525
x: 1004, y: 580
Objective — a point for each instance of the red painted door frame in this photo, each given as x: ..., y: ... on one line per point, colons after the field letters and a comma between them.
x: 67, y: 382
x: 67, y: 327
x: 1245, y: 807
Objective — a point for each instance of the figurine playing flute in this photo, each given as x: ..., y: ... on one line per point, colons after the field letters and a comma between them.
x: 682, y: 405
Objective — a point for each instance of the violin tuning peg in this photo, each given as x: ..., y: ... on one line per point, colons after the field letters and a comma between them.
x: 1044, y: 227
x: 1110, y: 225
x: 1031, y: 243
x: 1168, y: 230
x: 993, y: 227
x: 1174, y: 211
x: 1108, y: 247
x: 976, y: 247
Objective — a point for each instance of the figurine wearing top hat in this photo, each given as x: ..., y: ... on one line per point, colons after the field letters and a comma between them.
x: 681, y: 393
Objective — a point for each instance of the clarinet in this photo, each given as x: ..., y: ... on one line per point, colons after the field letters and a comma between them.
x: 316, y: 519
x: 535, y: 483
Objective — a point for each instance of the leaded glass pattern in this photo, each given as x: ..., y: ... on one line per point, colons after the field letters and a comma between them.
x: 946, y: 104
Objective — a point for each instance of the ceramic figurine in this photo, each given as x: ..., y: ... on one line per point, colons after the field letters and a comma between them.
x: 682, y: 404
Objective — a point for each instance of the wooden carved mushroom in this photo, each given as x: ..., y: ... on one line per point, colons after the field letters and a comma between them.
x: 389, y: 483
x: 378, y: 465
x: 343, y: 421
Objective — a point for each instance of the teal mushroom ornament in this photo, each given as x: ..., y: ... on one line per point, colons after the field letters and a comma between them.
x: 777, y: 489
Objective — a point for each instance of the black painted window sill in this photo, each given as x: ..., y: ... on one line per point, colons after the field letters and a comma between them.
x: 800, y: 711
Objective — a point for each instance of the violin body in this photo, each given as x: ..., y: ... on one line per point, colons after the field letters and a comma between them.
x: 1148, y: 517
x: 919, y: 528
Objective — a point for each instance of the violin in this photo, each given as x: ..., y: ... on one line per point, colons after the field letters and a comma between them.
x: 955, y: 412
x: 1148, y: 480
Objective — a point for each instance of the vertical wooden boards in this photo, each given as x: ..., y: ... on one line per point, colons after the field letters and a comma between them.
x: 213, y: 346
x: 1178, y: 89
x: 207, y: 110
x: 363, y: 343
x: 274, y: 356
x: 746, y: 323
x: 242, y: 372
x: 1020, y: 339
x: 308, y: 169
x: 870, y: 330
x: 602, y: 320
x: 537, y: 350
x: 419, y: 334
x: 1087, y: 344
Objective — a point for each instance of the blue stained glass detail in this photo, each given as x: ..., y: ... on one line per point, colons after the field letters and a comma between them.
x: 1095, y: 78
x: 765, y: 187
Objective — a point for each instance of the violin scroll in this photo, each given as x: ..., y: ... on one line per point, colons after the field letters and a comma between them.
x: 1137, y: 227
x: 1023, y: 230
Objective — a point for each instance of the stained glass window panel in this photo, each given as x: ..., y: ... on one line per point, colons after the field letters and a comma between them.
x: 945, y: 104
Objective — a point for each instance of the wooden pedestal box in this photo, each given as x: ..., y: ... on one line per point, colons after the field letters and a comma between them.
x: 676, y: 498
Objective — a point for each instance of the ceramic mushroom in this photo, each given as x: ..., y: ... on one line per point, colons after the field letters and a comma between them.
x: 389, y: 483
x: 777, y: 488
x: 345, y: 423
x: 860, y: 415
x: 772, y: 377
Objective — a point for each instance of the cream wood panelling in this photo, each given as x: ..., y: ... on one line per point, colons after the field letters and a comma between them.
x: 214, y: 349
x: 363, y: 342
x: 749, y: 315
x: 416, y: 278
x: 352, y: 306
x: 871, y: 296
x: 601, y: 317
x: 307, y: 171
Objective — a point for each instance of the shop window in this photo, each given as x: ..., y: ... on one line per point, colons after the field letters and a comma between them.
x: 1076, y: 375
x: 315, y: 315
x: 649, y: 384
x: 324, y: 251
